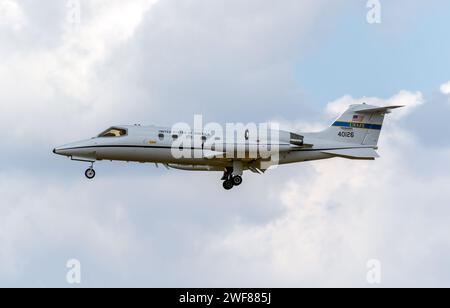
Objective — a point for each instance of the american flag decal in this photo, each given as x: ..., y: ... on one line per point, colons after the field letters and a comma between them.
x: 358, y: 118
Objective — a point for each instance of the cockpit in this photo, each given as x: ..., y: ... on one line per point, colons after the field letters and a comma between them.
x: 113, y: 132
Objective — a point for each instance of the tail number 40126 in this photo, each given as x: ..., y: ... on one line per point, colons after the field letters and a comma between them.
x: 346, y: 134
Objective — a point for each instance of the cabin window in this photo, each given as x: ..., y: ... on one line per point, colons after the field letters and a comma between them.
x: 114, y: 132
x: 161, y: 137
x: 247, y: 134
x: 174, y: 137
x: 204, y: 138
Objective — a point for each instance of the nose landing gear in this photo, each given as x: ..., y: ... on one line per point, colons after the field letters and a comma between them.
x: 90, y: 172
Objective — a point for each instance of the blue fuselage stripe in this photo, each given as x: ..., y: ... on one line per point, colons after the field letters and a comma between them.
x: 358, y: 125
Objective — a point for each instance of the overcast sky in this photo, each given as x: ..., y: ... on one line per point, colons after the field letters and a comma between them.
x: 66, y: 76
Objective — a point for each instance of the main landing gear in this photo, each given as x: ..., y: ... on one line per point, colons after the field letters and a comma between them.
x: 90, y: 172
x: 231, y: 180
x: 229, y: 183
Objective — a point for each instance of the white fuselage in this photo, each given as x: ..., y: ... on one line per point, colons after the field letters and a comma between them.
x: 354, y: 135
x: 144, y: 144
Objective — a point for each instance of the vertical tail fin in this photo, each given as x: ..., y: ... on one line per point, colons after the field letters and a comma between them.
x: 360, y: 124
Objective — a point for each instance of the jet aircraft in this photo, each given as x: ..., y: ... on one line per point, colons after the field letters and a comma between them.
x: 354, y: 135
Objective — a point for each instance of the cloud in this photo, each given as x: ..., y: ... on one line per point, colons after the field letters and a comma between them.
x: 235, y: 56
x: 126, y: 230
x: 48, y: 215
x: 405, y: 98
x: 11, y: 15
x: 346, y: 213
x: 445, y: 88
x: 63, y: 85
x: 338, y: 220
x: 309, y: 224
x: 315, y: 224
x: 123, y: 62
x: 136, y: 62
x: 410, y: 101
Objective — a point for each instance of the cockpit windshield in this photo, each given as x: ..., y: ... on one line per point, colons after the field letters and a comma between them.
x: 114, y: 132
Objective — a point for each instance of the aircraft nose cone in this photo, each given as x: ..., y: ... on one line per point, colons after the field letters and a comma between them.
x: 60, y: 151
x: 77, y: 149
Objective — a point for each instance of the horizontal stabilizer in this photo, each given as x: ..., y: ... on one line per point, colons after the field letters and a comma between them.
x: 356, y: 153
x: 377, y: 109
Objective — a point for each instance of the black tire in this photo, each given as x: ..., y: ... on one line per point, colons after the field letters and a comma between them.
x: 228, y: 185
x: 90, y: 173
x: 237, y: 180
